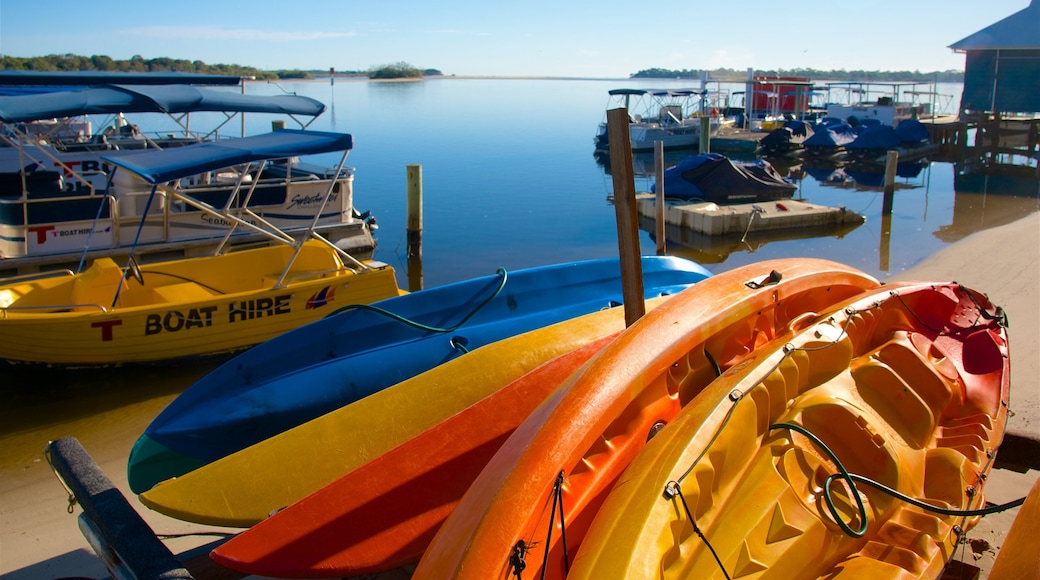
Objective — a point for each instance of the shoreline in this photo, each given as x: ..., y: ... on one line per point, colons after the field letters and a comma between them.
x: 40, y: 539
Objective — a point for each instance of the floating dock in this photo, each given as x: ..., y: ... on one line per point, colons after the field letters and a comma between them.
x: 739, y: 219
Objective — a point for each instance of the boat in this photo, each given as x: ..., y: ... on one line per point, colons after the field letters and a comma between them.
x: 671, y: 116
x: 59, y: 195
x: 829, y: 138
x: 355, y: 352
x: 887, y: 103
x: 909, y: 139
x: 785, y: 140
x: 109, y: 314
x: 528, y: 508
x: 715, y: 178
x: 857, y: 446
x: 353, y: 526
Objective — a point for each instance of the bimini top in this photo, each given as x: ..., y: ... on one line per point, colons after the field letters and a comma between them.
x: 158, y: 166
x: 657, y: 92
x: 169, y: 99
x: 41, y: 79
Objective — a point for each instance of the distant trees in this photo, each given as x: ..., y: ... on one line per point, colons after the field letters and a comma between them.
x: 398, y: 70
x: 136, y: 63
x: 730, y: 75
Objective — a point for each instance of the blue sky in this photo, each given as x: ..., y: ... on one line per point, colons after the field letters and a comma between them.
x: 604, y: 39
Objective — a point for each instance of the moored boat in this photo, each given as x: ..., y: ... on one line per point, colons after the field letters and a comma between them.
x: 528, y: 509
x: 212, y: 305
x: 360, y: 351
x: 715, y: 178
x: 857, y: 446
x: 671, y: 116
x: 58, y: 194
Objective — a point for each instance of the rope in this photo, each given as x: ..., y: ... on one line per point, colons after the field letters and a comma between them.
x: 72, y: 497
x: 501, y: 272
x: 557, y: 501
x: 676, y: 490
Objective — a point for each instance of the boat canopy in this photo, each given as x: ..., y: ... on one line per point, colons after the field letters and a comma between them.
x: 657, y: 92
x: 168, y: 99
x: 159, y: 166
x: 86, y: 78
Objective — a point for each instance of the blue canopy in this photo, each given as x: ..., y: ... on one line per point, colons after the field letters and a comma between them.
x: 169, y: 99
x: 86, y: 78
x: 158, y: 166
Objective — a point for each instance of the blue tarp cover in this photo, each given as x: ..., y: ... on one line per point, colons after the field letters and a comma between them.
x: 158, y: 166
x: 876, y: 137
x: 912, y: 131
x: 111, y: 99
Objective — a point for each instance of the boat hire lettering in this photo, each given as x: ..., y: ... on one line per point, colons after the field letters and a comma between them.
x: 218, y: 221
x: 306, y: 200
x: 176, y: 320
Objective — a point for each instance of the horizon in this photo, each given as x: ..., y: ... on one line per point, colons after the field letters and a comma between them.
x: 458, y: 38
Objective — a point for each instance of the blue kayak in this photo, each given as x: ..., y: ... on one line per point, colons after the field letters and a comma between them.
x: 362, y: 349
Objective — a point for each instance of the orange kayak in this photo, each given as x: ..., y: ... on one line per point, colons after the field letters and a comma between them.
x: 856, y: 448
x: 383, y: 514
x: 526, y: 513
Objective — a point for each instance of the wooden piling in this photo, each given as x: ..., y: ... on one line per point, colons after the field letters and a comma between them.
x: 414, y: 227
x: 625, y: 210
x: 705, y: 144
x: 659, y: 206
x: 891, y: 161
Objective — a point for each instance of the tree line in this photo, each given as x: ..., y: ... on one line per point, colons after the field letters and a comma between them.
x: 731, y: 75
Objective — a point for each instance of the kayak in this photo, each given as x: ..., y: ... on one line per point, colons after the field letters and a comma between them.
x: 859, y: 447
x: 246, y: 487
x: 529, y: 506
x: 358, y: 351
x: 383, y: 514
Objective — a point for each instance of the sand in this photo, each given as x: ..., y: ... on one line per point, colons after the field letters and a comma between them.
x: 39, y: 539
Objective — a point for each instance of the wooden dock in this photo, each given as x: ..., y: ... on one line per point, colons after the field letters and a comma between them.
x: 740, y: 219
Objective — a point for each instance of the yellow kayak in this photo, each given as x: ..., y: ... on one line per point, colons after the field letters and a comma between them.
x: 856, y: 448
x: 245, y: 487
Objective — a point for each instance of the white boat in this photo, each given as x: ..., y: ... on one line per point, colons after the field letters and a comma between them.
x: 888, y: 103
x: 58, y: 195
x: 672, y: 116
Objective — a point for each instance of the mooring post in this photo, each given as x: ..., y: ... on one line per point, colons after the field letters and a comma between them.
x: 705, y: 145
x: 625, y: 210
x: 414, y: 227
x: 659, y: 225
x: 891, y: 160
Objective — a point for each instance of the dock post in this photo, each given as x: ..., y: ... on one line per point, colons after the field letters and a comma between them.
x: 414, y: 227
x: 625, y: 209
x: 705, y: 144
x: 659, y: 224
x: 891, y: 161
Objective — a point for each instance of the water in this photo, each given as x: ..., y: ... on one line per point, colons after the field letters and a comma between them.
x: 509, y: 180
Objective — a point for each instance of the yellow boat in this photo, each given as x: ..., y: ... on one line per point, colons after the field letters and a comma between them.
x: 109, y: 314
x: 183, y: 308
x: 856, y: 448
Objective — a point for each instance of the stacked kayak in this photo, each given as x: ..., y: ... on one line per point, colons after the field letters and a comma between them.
x: 528, y: 509
x: 342, y: 358
x: 384, y: 513
x: 856, y: 448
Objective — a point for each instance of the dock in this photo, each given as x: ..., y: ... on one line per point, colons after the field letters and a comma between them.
x: 740, y: 219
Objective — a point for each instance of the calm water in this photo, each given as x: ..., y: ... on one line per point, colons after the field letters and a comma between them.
x: 509, y: 181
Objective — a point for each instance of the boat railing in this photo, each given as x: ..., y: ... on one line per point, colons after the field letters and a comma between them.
x: 310, y: 275
x: 32, y: 276
x: 55, y: 308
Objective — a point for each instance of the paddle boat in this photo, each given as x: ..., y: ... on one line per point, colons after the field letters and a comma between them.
x: 58, y: 195
x: 528, y: 508
x: 111, y: 314
x: 355, y: 352
x: 857, y: 446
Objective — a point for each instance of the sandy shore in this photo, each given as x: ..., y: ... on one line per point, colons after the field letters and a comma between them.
x: 40, y: 539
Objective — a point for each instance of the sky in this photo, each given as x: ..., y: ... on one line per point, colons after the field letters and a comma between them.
x: 560, y: 38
